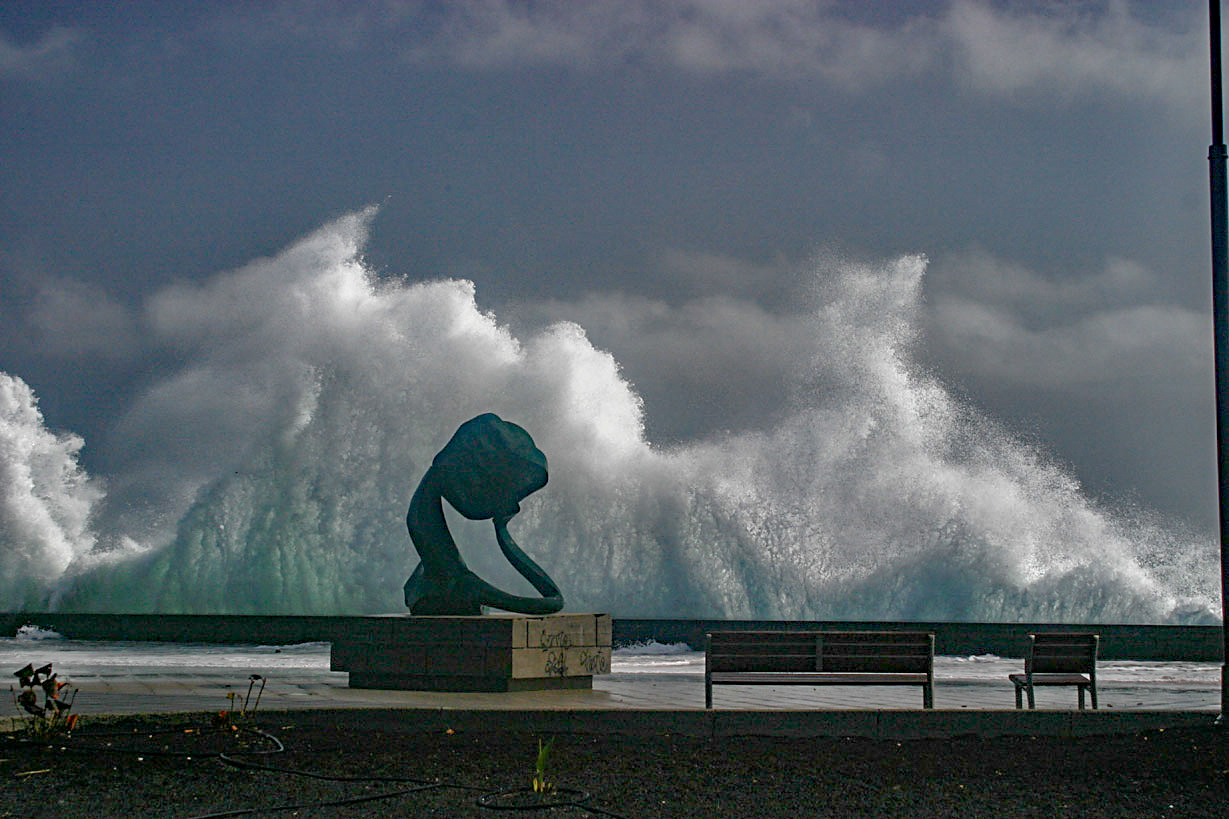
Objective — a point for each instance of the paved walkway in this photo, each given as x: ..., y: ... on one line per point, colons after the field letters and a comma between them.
x: 970, y: 697
x: 203, y: 689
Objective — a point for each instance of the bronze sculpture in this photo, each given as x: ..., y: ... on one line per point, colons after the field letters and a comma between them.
x: 487, y: 468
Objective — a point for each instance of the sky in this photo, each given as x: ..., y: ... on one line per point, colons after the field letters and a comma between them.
x: 668, y: 175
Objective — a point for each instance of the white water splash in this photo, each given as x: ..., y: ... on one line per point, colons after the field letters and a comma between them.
x: 33, y: 634
x: 272, y: 472
x: 45, y: 499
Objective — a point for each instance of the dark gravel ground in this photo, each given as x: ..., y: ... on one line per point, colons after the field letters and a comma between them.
x: 176, y: 766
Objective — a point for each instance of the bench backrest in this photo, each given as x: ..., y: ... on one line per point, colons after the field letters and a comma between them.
x: 1062, y: 653
x: 846, y: 651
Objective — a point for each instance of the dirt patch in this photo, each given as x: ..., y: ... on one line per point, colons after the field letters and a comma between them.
x: 346, y: 764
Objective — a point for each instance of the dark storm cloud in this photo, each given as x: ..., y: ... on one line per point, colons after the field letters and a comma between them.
x: 660, y: 173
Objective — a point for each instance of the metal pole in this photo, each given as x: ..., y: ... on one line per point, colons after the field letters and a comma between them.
x: 1220, y: 328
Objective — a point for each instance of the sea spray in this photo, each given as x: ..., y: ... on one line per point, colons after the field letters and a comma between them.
x: 46, y: 499
x: 271, y: 472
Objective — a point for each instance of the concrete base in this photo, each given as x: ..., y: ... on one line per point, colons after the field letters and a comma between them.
x: 503, y: 652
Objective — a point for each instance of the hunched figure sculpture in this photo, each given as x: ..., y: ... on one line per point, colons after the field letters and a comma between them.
x: 485, y: 471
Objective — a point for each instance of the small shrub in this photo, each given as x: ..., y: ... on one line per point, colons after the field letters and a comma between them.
x: 50, y: 714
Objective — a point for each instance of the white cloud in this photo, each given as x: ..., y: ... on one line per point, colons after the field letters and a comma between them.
x: 974, y: 276
x: 791, y: 38
x: 1061, y: 50
x: 1113, y: 345
x: 778, y: 37
x: 48, y: 55
x: 72, y: 319
x: 1001, y: 321
x: 715, y: 274
x: 491, y: 33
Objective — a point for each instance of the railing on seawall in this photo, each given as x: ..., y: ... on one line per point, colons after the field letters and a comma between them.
x: 1118, y: 641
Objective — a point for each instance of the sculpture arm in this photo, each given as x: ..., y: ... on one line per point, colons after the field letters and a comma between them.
x: 530, y: 570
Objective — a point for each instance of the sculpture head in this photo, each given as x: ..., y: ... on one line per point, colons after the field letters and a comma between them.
x: 488, y: 467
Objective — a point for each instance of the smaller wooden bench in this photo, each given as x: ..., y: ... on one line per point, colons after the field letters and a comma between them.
x: 820, y: 658
x: 1059, y: 659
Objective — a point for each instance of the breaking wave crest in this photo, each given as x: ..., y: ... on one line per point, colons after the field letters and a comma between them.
x: 271, y: 473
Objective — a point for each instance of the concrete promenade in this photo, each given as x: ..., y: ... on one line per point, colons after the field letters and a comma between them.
x: 970, y: 697
x: 663, y: 703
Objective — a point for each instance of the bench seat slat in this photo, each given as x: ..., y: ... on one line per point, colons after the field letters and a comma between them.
x: 817, y: 678
x: 774, y: 664
x: 1051, y: 665
x: 1051, y: 679
x: 844, y: 663
x: 830, y: 637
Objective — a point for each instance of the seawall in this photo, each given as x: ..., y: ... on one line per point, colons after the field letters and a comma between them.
x: 1118, y: 642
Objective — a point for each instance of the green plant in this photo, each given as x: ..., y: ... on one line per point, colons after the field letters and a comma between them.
x: 541, y: 784
x: 50, y: 716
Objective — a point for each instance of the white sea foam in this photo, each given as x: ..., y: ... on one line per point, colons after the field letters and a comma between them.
x: 95, y: 656
x: 30, y: 633
x: 271, y: 472
x: 651, y: 648
x: 652, y: 657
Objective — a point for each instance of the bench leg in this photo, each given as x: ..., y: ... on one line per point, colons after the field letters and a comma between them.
x: 928, y: 696
x: 708, y: 694
x: 1032, y: 703
x: 1019, y: 697
x: 1081, y: 688
x: 1092, y: 690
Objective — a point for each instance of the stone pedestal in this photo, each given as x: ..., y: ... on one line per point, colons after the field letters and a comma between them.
x: 496, y: 652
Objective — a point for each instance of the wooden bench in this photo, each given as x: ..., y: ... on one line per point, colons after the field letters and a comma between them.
x: 1059, y: 659
x: 820, y: 658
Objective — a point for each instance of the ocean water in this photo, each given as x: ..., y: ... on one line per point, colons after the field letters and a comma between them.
x: 270, y: 469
